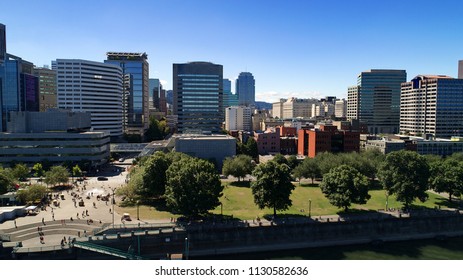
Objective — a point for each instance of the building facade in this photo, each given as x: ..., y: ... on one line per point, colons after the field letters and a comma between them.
x: 432, y: 105
x: 277, y: 108
x: 376, y: 100
x: 460, y: 69
x: 47, y: 88
x: 340, y: 108
x: 229, y: 99
x: 268, y: 142
x: 198, y: 97
x: 19, y: 87
x: 238, y: 118
x: 135, y: 69
x: 327, y: 138
x: 298, y: 108
x: 245, y: 89
x: 94, y: 87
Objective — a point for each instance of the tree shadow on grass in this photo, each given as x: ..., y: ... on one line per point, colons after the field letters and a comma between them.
x: 241, y: 184
x: 309, y: 185
x: 362, y: 214
x: 444, y: 202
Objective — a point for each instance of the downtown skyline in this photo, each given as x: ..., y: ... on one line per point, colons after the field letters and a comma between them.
x: 294, y: 48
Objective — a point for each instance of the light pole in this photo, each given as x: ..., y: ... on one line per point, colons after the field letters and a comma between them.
x: 310, y: 208
x: 138, y: 209
x: 221, y: 209
x: 113, y: 202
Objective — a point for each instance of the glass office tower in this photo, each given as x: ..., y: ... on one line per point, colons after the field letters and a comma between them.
x: 198, y: 90
x: 376, y: 100
x: 245, y: 89
x: 135, y: 69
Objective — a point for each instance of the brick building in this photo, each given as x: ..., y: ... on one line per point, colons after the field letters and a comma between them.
x: 327, y: 139
x: 267, y: 142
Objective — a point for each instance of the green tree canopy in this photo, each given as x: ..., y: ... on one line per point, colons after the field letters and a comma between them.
x: 293, y: 162
x: 56, y: 175
x: 272, y: 187
x: 344, y: 185
x: 280, y: 159
x: 6, y: 181
x: 76, y: 171
x: 154, y: 176
x: 38, y: 170
x: 193, y: 187
x: 32, y: 193
x: 251, y: 148
x: 238, y: 167
x: 307, y: 169
x: 405, y: 174
x: 157, y: 130
x: 446, y: 176
x: 21, y: 172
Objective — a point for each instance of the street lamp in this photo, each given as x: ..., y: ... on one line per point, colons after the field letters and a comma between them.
x: 113, y: 202
x: 221, y: 209
x: 310, y: 208
x: 138, y: 209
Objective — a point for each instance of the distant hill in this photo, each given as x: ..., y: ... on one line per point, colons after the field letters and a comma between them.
x: 261, y: 105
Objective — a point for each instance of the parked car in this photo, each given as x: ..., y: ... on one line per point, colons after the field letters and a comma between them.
x: 102, y: 178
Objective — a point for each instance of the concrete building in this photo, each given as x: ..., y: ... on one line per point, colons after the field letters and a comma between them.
x: 340, y: 108
x: 47, y: 88
x: 238, y: 118
x: 198, y: 97
x: 245, y: 89
x: 376, y: 100
x: 460, y: 69
x: 432, y: 105
x: 135, y: 69
x: 277, y: 108
x: 94, y: 87
x: 50, y: 139
x: 50, y: 121
x: 215, y: 147
x: 298, y: 108
x: 327, y: 138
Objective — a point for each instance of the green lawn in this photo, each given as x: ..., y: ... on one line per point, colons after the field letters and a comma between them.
x: 237, y: 200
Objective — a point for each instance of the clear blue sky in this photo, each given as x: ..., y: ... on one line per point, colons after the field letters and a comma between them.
x: 299, y: 48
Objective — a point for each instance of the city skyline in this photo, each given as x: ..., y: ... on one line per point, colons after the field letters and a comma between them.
x: 303, y: 49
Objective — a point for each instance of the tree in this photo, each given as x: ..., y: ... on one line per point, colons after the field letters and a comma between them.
x: 307, y: 169
x: 272, y: 187
x: 280, y: 159
x: 405, y: 174
x: 38, y: 170
x: 292, y: 162
x: 76, y: 171
x: 56, y: 175
x: 5, y: 181
x: 326, y: 161
x: 251, y: 148
x: 446, y: 176
x: 21, y: 172
x: 238, y: 166
x: 32, y: 193
x: 154, y: 175
x: 344, y: 185
x: 193, y: 187
x: 157, y: 130
x: 131, y: 190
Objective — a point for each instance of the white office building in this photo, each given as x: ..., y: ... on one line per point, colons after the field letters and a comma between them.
x: 238, y: 118
x: 94, y: 87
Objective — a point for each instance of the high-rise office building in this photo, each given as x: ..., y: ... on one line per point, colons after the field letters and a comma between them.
x: 47, y: 88
x: 19, y: 87
x: 298, y: 108
x: 198, y: 90
x: 460, y: 69
x: 432, y: 105
x: 238, y: 118
x: 136, y: 69
x: 154, y: 86
x: 229, y: 99
x: 376, y: 100
x: 95, y: 87
x: 245, y: 89
x: 2, y: 43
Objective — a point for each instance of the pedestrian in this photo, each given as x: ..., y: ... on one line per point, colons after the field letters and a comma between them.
x: 77, y: 215
x: 43, y: 221
x: 86, y: 212
x: 15, y: 224
x: 53, y: 216
x: 78, y: 233
x: 109, y: 210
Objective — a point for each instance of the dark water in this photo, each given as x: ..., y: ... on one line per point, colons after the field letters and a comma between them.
x: 430, y: 249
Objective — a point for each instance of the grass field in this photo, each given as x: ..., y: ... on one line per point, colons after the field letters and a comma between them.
x: 238, y: 202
